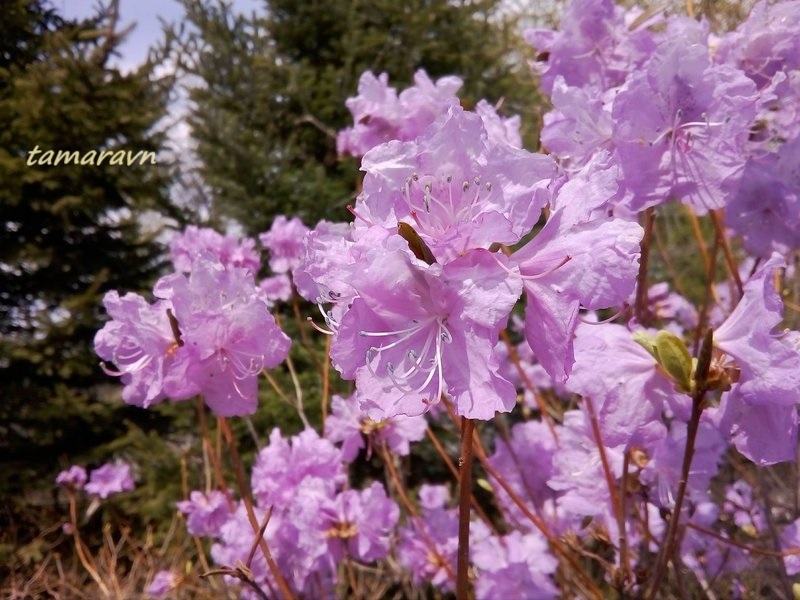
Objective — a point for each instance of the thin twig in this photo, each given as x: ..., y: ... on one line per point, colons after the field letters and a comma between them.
x: 248, y: 503
x: 409, y: 506
x: 733, y: 269
x: 454, y: 471
x: 540, y: 403
x: 669, y: 545
x: 464, y: 496
x: 641, y: 309
x: 82, y: 556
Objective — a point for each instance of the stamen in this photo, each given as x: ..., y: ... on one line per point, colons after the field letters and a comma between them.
x: 358, y: 216
x: 604, y: 321
x: 565, y: 260
x: 311, y: 322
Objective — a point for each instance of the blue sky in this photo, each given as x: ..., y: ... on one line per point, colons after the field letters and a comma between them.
x: 145, y: 13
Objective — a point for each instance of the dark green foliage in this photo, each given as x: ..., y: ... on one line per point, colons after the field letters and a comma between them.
x: 70, y: 232
x: 275, y: 86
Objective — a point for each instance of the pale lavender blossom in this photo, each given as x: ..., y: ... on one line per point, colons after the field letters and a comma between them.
x: 206, y: 513
x: 141, y: 345
x: 110, y: 479
x: 579, y: 124
x: 162, y: 584
x: 596, y: 45
x: 790, y: 539
x: 74, y: 477
x: 499, y: 129
x: 416, y: 331
x: 323, y: 275
x: 766, y: 42
x: 202, y: 243
x: 680, y: 126
x: 759, y: 414
x: 676, y: 311
x: 282, y: 465
x: 525, y: 462
x: 358, y: 524
x: 277, y: 288
x: 438, y: 528
x: 427, y: 546
x: 380, y: 115
x: 710, y: 558
x: 663, y: 471
x: 630, y: 394
x: 432, y: 497
x: 457, y: 186
x: 746, y: 512
x: 766, y: 209
x: 581, y: 258
x: 349, y: 425
x: 285, y: 243
x: 228, y: 336
x: 519, y: 565
x: 579, y: 476
x: 778, y: 113
x: 236, y: 537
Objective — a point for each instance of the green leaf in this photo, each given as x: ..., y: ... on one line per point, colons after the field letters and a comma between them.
x: 673, y: 356
x: 646, y: 341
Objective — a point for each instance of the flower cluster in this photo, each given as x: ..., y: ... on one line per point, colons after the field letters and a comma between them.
x: 314, y: 524
x: 104, y: 481
x: 479, y: 278
x: 209, y: 332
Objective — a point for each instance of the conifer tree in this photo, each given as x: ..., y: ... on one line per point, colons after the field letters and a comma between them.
x: 274, y: 86
x: 69, y: 231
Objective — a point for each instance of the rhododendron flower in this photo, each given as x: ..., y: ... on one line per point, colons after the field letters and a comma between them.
x: 595, y: 45
x: 110, y: 479
x: 323, y: 274
x: 790, y: 539
x: 432, y: 497
x: 663, y: 471
x: 140, y: 343
x: 745, y: 510
x: 579, y: 475
x: 276, y: 289
x: 206, y: 513
x: 74, y: 477
x: 516, y: 566
x: 236, y: 537
x: 227, y: 337
x: 381, y: 116
x: 580, y: 258
x: 428, y: 546
x: 769, y: 363
x: 455, y: 186
x: 163, y: 583
x: 766, y: 209
x: 348, y: 424
x: 281, y: 466
x: 525, y: 462
x: 357, y: 523
x: 416, y: 331
x: 621, y: 378
x: 760, y: 411
x: 766, y: 42
x: 680, y: 125
x: 202, y: 243
x: 285, y: 243
x: 499, y: 129
x: 579, y: 124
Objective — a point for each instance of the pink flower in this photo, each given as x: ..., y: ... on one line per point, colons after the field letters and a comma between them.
x: 110, y: 479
